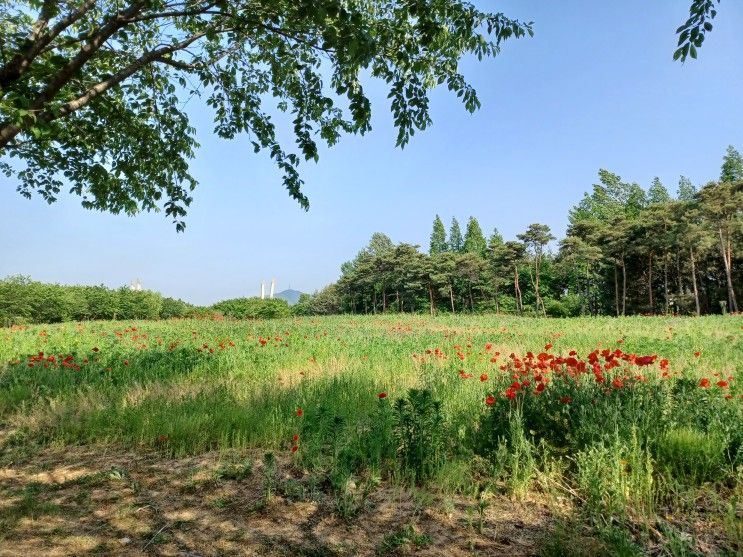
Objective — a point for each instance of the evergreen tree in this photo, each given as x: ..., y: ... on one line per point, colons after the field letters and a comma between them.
x: 495, y: 240
x: 438, y: 237
x: 456, y: 242
x: 474, y: 241
x: 686, y: 190
x: 732, y: 166
x: 658, y: 193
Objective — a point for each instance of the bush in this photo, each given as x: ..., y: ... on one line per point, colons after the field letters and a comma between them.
x: 253, y: 308
x: 418, y: 431
x: 691, y: 455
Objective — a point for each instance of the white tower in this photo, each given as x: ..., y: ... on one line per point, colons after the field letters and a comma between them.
x: 273, y: 287
x: 263, y: 289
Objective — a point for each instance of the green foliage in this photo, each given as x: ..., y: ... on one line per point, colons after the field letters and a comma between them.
x: 691, y: 34
x: 405, y: 536
x: 691, y: 455
x: 306, y: 58
x: 419, y: 432
x: 25, y: 301
x: 732, y: 166
x: 438, y: 242
x: 616, y: 476
x: 456, y: 242
x: 474, y: 241
x: 253, y: 308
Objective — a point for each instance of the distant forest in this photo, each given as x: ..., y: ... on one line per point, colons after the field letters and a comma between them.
x: 627, y: 251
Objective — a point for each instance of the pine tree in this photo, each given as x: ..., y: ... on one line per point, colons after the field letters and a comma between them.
x: 686, y: 190
x: 438, y: 237
x: 456, y: 242
x: 732, y: 166
x: 474, y: 241
x: 495, y: 240
x: 658, y: 193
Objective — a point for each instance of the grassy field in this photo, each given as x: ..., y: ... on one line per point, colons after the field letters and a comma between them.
x: 373, y: 435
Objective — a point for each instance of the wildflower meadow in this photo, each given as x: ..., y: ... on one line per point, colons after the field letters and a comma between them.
x: 615, y: 436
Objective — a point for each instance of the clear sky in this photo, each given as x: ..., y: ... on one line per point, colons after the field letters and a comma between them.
x: 595, y: 88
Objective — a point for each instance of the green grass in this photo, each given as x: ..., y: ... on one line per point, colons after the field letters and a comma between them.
x: 186, y: 387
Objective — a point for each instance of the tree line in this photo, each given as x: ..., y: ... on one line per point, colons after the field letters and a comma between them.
x: 627, y: 250
x: 23, y: 301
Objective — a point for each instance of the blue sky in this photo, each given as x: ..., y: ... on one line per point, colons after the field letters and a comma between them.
x: 595, y: 88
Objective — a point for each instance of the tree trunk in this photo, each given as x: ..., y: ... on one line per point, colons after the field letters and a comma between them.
x: 650, y: 282
x: 374, y: 302
x: 624, y: 287
x: 616, y: 288
x: 430, y: 296
x: 472, y: 304
x: 517, y: 290
x: 694, y: 280
x: 665, y: 282
x: 451, y: 298
x: 384, y: 300
x: 728, y: 261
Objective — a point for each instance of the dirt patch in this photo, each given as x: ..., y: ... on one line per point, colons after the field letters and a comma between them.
x: 101, y: 501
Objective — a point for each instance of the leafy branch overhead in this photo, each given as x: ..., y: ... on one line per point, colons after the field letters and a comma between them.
x: 691, y: 34
x: 94, y: 94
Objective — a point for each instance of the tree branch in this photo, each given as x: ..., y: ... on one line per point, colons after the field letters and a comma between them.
x: 17, y: 66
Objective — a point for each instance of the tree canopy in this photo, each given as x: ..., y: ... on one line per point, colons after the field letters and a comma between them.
x: 93, y: 93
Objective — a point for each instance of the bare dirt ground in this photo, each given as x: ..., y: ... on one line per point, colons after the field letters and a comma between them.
x: 100, y: 501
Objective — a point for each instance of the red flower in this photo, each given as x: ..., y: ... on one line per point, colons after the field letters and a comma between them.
x: 617, y: 383
x: 382, y: 395
x: 488, y: 346
x: 295, y: 448
x: 540, y: 387
x: 697, y: 354
x: 96, y: 349
x: 484, y: 377
x: 126, y: 362
x: 300, y: 412
x: 704, y: 383
x: 722, y: 384
x: 510, y: 393
x: 548, y: 346
x: 295, y: 438
x: 490, y: 400
x: 565, y: 400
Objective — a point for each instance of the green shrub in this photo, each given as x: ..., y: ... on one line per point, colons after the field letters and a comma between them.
x: 691, y: 455
x: 253, y: 308
x: 419, y: 433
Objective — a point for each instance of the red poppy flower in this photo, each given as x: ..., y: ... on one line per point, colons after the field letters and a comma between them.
x: 722, y: 384
x: 490, y: 400
x: 300, y: 412
x: 697, y: 354
x: 484, y: 377
x: 565, y: 400
x: 548, y: 346
x: 126, y: 362
x: 382, y: 395
x: 295, y: 438
x: 704, y: 383
x: 295, y: 448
